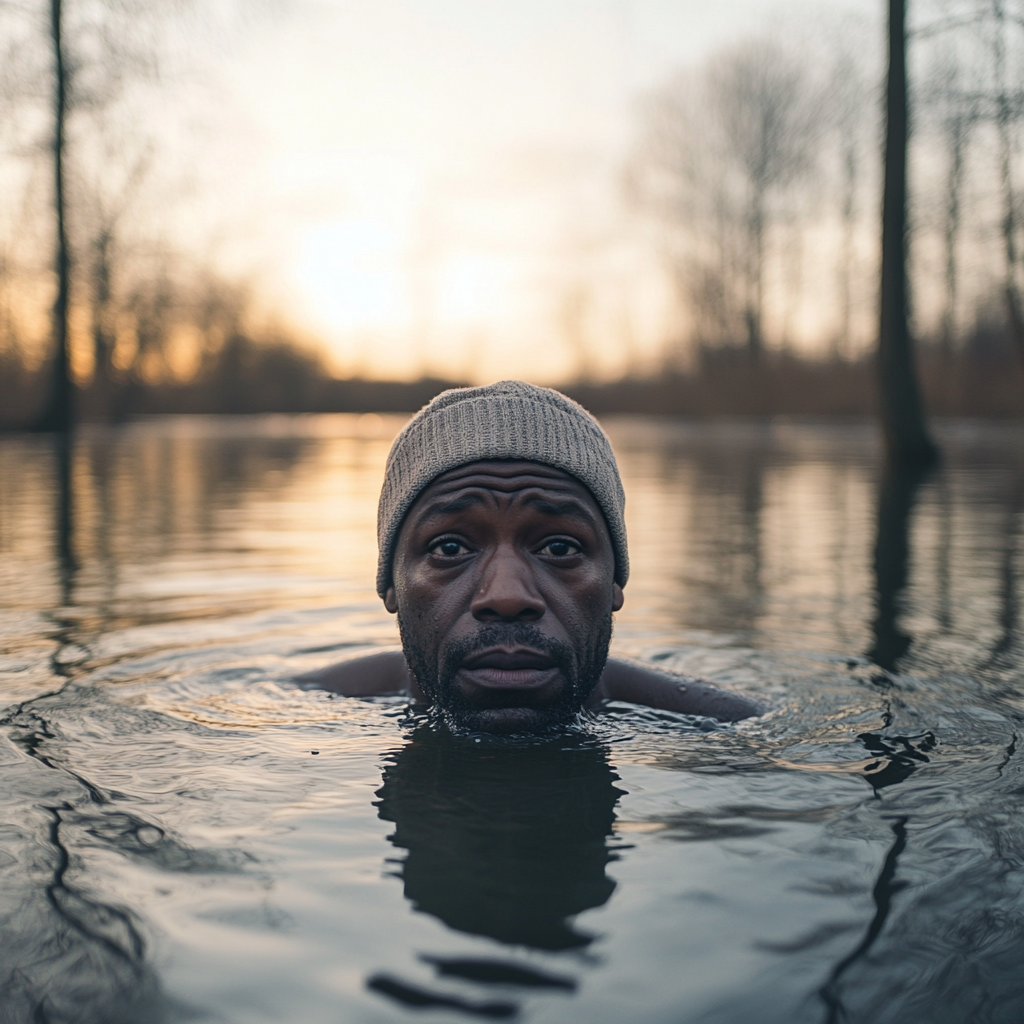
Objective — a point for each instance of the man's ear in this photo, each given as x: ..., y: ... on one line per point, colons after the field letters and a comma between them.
x: 618, y: 597
x: 392, y: 604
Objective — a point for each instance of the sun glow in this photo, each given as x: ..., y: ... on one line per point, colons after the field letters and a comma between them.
x: 350, y: 271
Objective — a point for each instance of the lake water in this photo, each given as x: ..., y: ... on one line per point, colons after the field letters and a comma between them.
x: 172, y: 849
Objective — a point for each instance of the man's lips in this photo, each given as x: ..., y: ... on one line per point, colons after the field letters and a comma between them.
x: 517, y: 668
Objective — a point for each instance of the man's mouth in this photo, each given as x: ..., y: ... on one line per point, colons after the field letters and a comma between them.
x: 504, y: 668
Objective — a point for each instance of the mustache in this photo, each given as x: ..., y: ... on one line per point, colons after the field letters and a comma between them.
x: 506, y: 634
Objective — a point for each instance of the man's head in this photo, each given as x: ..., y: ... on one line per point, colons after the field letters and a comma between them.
x: 503, y: 552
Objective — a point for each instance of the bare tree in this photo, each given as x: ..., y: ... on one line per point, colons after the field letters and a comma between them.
x: 678, y: 177
x: 1009, y: 106
x: 952, y: 102
x: 95, y: 53
x: 768, y: 123
x: 850, y: 117
x: 721, y: 150
x: 970, y: 92
x: 903, y: 426
x: 57, y: 415
x: 108, y: 262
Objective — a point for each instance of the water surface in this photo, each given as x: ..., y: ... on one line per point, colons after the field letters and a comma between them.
x: 172, y: 849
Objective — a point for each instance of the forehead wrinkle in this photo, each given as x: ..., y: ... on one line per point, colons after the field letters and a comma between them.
x: 506, y: 470
x: 570, y: 509
x: 439, y: 508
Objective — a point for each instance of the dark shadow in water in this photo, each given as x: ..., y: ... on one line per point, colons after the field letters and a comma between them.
x: 67, y: 653
x: 944, y: 550
x: 898, y: 757
x: 417, y: 998
x: 884, y: 889
x: 69, y: 953
x: 897, y: 497
x: 504, y: 840
x: 64, y: 518
x: 1009, y: 600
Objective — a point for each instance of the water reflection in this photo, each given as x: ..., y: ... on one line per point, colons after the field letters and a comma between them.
x: 518, y: 868
x: 64, y: 512
x: 886, y: 886
x: 67, y: 652
x: 898, y: 493
x: 68, y: 952
x: 504, y: 841
x: 179, y: 574
x: 1009, y: 604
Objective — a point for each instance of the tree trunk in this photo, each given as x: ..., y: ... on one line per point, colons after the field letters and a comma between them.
x: 1004, y: 115
x: 954, y: 185
x: 58, y: 414
x: 841, y: 346
x: 755, y: 295
x: 102, y: 333
x: 903, y: 425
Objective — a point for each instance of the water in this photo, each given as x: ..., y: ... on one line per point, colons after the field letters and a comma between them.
x: 171, y: 849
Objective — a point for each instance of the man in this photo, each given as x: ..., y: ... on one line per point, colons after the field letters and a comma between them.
x: 503, y: 553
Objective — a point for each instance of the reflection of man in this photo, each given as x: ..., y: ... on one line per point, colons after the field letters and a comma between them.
x: 512, y: 869
x: 503, y: 553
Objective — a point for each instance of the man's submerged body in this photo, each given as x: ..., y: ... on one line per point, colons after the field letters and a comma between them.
x: 504, y: 582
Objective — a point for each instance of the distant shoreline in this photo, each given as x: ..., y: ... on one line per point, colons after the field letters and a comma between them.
x: 970, y: 383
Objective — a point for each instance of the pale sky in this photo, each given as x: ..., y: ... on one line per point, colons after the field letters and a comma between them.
x: 435, y: 184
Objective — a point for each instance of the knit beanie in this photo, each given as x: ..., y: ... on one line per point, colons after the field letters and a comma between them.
x: 507, y: 420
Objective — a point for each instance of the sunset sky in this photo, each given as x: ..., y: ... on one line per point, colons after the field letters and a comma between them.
x: 436, y: 186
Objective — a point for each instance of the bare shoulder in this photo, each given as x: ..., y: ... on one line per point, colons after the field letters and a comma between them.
x: 637, y: 683
x: 368, y: 675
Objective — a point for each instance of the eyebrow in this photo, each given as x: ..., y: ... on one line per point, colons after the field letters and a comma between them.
x: 446, y: 508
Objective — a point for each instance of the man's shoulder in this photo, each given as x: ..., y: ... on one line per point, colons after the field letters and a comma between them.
x: 364, y: 675
x: 637, y: 683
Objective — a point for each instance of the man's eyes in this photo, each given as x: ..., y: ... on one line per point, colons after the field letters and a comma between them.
x: 448, y: 547
x: 560, y: 548
x: 451, y: 547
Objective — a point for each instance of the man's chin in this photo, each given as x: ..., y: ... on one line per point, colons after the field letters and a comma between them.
x: 508, y: 721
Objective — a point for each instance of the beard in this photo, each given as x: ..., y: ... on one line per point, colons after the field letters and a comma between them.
x: 435, y: 669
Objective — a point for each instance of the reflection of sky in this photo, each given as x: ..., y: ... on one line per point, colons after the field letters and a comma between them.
x: 436, y: 182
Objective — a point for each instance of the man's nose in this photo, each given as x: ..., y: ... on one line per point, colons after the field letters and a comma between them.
x: 506, y: 591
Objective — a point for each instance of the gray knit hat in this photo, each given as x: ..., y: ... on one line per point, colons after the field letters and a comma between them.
x: 507, y: 420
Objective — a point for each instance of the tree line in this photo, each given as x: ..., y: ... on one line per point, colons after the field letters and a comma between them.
x: 760, y: 173
x: 104, y: 310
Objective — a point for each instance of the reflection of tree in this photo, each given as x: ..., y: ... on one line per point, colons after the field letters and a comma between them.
x: 896, y: 501
x: 886, y: 886
x: 116, y: 502
x: 64, y: 517
x: 1009, y: 599
x: 944, y: 551
x: 729, y: 496
x: 503, y: 840
x: 63, y: 658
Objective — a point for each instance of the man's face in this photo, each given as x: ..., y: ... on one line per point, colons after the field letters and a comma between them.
x: 503, y: 581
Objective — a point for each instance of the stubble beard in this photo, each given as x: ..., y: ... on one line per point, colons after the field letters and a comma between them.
x: 435, y: 670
